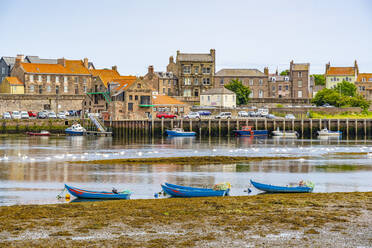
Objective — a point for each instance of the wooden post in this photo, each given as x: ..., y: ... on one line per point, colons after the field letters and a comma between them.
x: 190, y: 125
x: 274, y: 125
x: 329, y: 124
x: 347, y: 128
x: 365, y: 128
x: 283, y: 125
x: 311, y: 128
x: 181, y: 123
x: 320, y: 124
x: 302, y: 128
x: 292, y: 125
x: 237, y: 124
x: 209, y: 127
x: 219, y: 127
x: 152, y: 127
x: 265, y: 124
x: 228, y: 127
x: 338, y: 125
x: 172, y: 124
x: 356, y: 128
x: 162, y: 126
x: 256, y: 127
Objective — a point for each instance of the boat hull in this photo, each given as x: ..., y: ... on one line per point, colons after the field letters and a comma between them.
x: 280, y: 189
x: 285, y: 134
x: 182, y: 191
x: 86, y: 194
x: 251, y: 133
x: 176, y: 133
x: 75, y: 133
x: 37, y: 134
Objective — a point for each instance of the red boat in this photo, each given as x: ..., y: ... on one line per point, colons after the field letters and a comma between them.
x: 42, y: 133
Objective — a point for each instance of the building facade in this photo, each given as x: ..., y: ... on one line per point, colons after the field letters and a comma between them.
x: 218, y: 97
x: 165, y: 83
x: 364, y: 85
x: 335, y: 75
x: 299, y: 74
x: 194, y: 71
x: 280, y: 86
x: 11, y: 85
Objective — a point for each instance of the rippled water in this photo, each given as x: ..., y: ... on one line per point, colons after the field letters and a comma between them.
x: 34, y: 169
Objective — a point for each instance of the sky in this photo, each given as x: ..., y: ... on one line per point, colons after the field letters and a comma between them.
x: 134, y: 34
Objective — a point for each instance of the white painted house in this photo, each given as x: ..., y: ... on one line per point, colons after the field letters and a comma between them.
x: 218, y: 97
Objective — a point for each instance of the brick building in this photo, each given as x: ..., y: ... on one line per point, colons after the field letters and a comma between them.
x: 299, y: 74
x: 165, y: 83
x: 195, y: 72
x: 280, y: 86
x: 364, y: 85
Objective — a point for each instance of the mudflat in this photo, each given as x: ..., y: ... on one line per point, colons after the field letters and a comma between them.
x: 288, y: 220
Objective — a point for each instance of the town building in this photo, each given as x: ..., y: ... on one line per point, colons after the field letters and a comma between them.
x: 165, y: 83
x: 280, y: 86
x: 12, y: 85
x: 299, y: 74
x: 334, y: 75
x: 364, y: 85
x: 218, y: 97
x: 163, y: 103
x: 195, y: 72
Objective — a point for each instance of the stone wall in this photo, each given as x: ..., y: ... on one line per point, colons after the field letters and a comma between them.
x: 10, y: 102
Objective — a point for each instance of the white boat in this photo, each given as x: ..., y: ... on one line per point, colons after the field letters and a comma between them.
x: 327, y: 133
x: 286, y: 134
x: 75, y: 129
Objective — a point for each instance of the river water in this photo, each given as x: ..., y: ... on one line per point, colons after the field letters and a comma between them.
x: 33, y: 170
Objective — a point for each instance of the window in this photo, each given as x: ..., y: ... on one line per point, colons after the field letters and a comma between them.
x: 299, y: 83
x: 187, y: 92
x: 14, y: 89
x: 196, y: 70
x: 3, y: 70
x: 279, y: 87
x: 57, y: 79
x: 130, y: 97
x: 85, y: 89
x: 206, y: 81
x: 186, y: 69
x: 163, y: 90
x: 169, y: 82
x: 206, y: 70
x: 186, y: 81
x: 65, y: 79
x: 76, y: 79
x: 65, y: 89
x: 221, y: 81
x: 169, y: 91
x: 370, y: 79
x: 40, y: 89
x: 57, y: 90
x: 39, y: 78
x: 286, y: 78
x: 260, y: 82
x: 299, y: 74
x: 196, y: 81
x: 299, y: 94
x: 31, y: 78
x: 196, y: 92
x: 136, y: 98
x: 130, y: 106
x: 250, y: 82
x: 273, y: 79
x: 139, y: 86
x: 251, y: 94
x: 48, y: 78
x: 273, y: 88
x: 260, y: 93
x: 286, y: 87
x: 49, y: 89
x: 76, y: 89
x: 84, y: 80
x: 209, y: 98
x: 32, y: 88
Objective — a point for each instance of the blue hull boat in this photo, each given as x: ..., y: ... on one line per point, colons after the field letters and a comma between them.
x: 87, y: 194
x: 76, y: 133
x: 281, y: 189
x: 179, y: 132
x: 248, y: 131
x: 183, y: 191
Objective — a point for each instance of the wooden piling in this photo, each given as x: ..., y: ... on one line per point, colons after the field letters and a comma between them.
x: 302, y: 128
x: 190, y: 125
x: 219, y: 127
x: 228, y: 127
x: 152, y: 127
x: 209, y: 127
x: 356, y: 128
x: 162, y: 126
x: 338, y: 125
x: 347, y: 128
x: 365, y: 128
x: 311, y: 128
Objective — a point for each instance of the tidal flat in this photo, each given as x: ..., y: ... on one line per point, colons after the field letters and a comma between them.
x: 266, y: 220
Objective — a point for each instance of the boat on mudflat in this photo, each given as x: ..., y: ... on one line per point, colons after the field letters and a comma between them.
x: 284, y: 134
x: 42, y: 133
x: 304, y: 187
x: 87, y: 194
x: 184, y: 191
x: 248, y: 131
x: 75, y: 129
x: 179, y: 132
x: 328, y: 133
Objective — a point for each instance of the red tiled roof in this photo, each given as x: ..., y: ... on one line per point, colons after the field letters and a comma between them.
x: 366, y: 76
x: 165, y: 100
x: 45, y: 68
x: 13, y: 81
x: 341, y: 71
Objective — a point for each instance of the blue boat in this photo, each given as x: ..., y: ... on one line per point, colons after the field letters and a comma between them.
x: 179, y: 132
x: 75, y: 129
x: 307, y: 188
x: 248, y: 131
x: 87, y: 194
x: 183, y: 191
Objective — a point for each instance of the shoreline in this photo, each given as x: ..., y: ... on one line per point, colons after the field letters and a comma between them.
x: 315, y: 219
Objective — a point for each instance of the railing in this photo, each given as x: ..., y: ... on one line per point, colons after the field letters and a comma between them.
x: 99, y: 126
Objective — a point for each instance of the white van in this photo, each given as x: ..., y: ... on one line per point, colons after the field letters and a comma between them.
x: 223, y: 115
x: 263, y: 112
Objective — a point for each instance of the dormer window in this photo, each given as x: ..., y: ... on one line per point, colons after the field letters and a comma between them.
x: 39, y: 78
x: 273, y: 79
x: 286, y: 78
x: 363, y: 79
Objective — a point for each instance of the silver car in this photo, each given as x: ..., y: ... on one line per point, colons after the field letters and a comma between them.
x: 16, y: 115
x: 7, y: 115
x: 290, y: 117
x: 52, y: 115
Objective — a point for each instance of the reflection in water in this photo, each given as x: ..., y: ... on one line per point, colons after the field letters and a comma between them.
x: 38, y: 181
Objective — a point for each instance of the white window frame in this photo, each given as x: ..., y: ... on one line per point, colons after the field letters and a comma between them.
x: 57, y: 79
x: 196, y: 81
x: 32, y: 88
x: 206, y: 70
x: 40, y: 78
x: 48, y: 78
x: 251, y: 82
x: 260, y: 94
x: 49, y: 88
x: 299, y: 83
x: 65, y: 79
x: 186, y: 81
x: 299, y: 94
x: 31, y: 78
x: 65, y: 89
x: 260, y: 82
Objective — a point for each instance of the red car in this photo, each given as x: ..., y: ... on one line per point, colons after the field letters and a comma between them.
x: 165, y: 116
x: 31, y: 114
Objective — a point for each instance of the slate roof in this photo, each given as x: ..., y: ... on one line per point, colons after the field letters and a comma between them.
x: 9, y: 61
x: 240, y: 73
x: 217, y: 91
x: 37, y: 60
x: 195, y: 57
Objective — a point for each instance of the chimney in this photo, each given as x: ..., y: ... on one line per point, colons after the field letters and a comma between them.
x: 276, y: 72
x: 62, y: 62
x: 266, y: 71
x: 327, y: 66
x: 114, y: 67
x: 86, y: 63
x: 356, y: 67
x: 151, y: 69
x: 20, y: 57
x: 213, y: 53
x: 171, y: 60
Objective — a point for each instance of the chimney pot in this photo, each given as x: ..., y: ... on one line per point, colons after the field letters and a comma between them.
x: 20, y: 57
x: 86, y: 63
x: 151, y: 69
x: 114, y: 67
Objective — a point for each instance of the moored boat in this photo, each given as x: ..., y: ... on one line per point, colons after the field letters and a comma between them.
x: 328, y: 133
x: 75, y: 129
x: 303, y: 187
x: 42, y: 133
x: 184, y: 191
x: 179, y: 132
x: 87, y: 194
x: 286, y: 134
x: 248, y: 131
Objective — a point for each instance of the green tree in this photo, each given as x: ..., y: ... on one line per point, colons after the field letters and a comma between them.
x: 319, y: 79
x: 347, y: 89
x: 284, y: 73
x: 329, y: 96
x: 242, y: 92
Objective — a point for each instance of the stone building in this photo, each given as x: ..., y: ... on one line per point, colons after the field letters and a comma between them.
x: 256, y: 80
x: 334, y: 75
x: 195, y: 72
x: 68, y: 77
x: 280, y: 86
x: 299, y: 74
x: 218, y: 97
x: 12, y: 85
x: 163, y: 103
x: 165, y: 83
x: 364, y: 85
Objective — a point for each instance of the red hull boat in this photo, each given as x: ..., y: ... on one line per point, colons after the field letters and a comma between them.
x: 42, y: 133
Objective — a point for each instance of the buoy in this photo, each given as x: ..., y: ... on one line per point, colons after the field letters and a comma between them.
x: 67, y: 196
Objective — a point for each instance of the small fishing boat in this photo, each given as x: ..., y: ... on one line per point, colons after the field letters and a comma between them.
x: 42, y: 133
x: 184, y: 191
x: 328, y: 133
x: 75, y: 129
x: 87, y: 194
x: 304, y: 187
x: 248, y: 131
x: 179, y: 132
x: 286, y: 134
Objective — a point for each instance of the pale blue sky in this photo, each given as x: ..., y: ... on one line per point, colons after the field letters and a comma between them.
x: 246, y: 34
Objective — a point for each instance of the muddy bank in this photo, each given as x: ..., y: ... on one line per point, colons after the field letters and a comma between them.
x: 188, y: 160
x: 292, y: 220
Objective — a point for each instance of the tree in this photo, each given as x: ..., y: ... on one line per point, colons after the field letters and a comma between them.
x: 284, y: 73
x: 242, y: 92
x: 347, y: 89
x: 329, y: 96
x: 319, y: 79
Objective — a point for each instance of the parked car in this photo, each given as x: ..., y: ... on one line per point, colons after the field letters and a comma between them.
x: 263, y: 112
x: 24, y: 115
x: 290, y: 117
x: 270, y: 116
x: 7, y: 115
x: 61, y: 115
x: 204, y: 112
x: 16, y: 115
x: 243, y: 114
x: 42, y: 115
x: 327, y: 105
x: 52, y: 115
x: 72, y: 113
x: 252, y: 114
x: 31, y: 114
x: 192, y: 115
x: 165, y: 116
x: 223, y: 115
